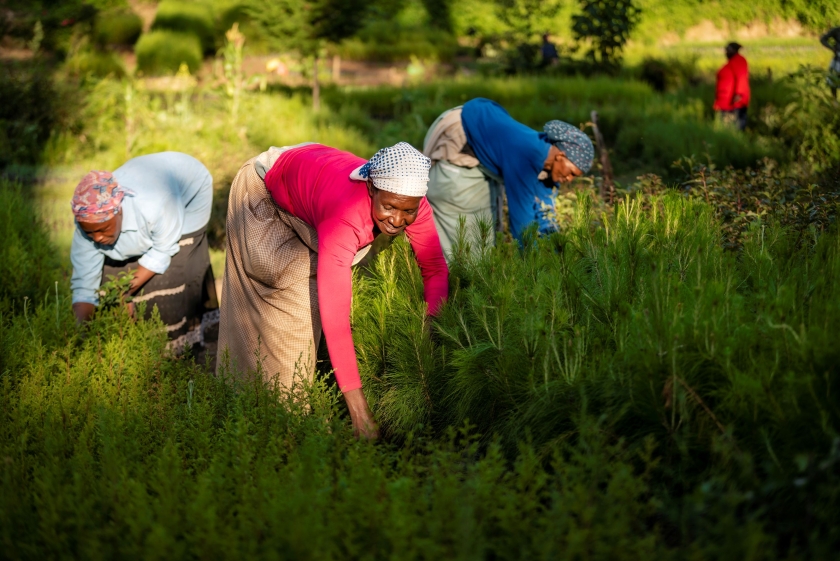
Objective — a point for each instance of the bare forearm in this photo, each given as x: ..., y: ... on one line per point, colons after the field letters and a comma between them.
x: 360, y: 414
x: 142, y: 275
x: 83, y: 311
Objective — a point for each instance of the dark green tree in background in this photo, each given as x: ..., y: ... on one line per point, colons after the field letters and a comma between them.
x: 440, y: 14
x: 47, y: 24
x: 526, y: 21
x: 607, y: 25
x: 307, y: 26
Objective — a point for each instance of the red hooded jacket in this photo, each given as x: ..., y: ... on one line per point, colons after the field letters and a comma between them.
x: 732, y: 80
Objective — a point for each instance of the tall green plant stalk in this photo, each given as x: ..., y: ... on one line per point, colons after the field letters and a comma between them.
x: 233, y: 72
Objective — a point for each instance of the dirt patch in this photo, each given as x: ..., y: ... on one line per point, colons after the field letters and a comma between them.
x: 709, y: 32
x: 146, y: 11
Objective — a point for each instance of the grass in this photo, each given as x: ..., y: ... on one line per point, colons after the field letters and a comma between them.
x: 647, y: 131
x: 779, y: 56
x: 625, y: 388
x: 632, y: 391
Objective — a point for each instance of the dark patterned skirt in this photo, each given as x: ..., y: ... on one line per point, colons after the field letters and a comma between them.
x: 185, y: 295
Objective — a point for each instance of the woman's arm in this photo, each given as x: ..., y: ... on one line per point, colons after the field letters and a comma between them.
x: 337, y: 245
x: 827, y: 37
x: 142, y: 275
x: 87, y: 275
x: 166, y: 220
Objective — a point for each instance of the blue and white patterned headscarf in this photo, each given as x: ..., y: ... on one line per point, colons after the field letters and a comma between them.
x: 572, y: 141
x: 400, y: 169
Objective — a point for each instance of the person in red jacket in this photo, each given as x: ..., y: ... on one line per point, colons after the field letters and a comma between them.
x: 732, y: 95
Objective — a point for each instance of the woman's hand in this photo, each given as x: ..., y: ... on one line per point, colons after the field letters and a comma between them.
x: 142, y: 275
x: 83, y: 311
x: 364, y: 426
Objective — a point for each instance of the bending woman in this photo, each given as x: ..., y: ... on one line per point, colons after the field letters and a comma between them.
x: 148, y: 218
x: 478, y: 149
x: 298, y: 219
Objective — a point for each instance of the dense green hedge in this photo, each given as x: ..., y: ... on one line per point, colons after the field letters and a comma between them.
x: 162, y: 52
x: 118, y: 27
x: 188, y: 17
x: 93, y: 62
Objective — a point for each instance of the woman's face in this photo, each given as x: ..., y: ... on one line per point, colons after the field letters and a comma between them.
x: 103, y: 233
x: 392, y: 213
x: 559, y: 167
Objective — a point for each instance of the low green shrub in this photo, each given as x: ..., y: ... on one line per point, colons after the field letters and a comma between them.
x: 95, y: 63
x: 655, y: 144
x: 163, y: 52
x: 382, y: 42
x: 29, y: 266
x: 726, y: 360
x: 111, y: 447
x: 33, y: 108
x: 229, y: 12
x: 669, y: 74
x: 190, y: 18
x: 645, y: 131
x: 810, y: 124
x: 118, y: 28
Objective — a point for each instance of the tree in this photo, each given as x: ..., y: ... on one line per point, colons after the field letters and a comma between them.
x: 306, y: 26
x: 53, y: 18
x: 607, y: 25
x: 440, y: 15
x: 526, y: 21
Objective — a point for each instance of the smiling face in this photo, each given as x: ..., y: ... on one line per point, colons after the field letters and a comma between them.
x: 392, y: 213
x: 560, y: 169
x: 103, y: 233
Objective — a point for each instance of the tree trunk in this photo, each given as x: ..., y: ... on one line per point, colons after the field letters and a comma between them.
x: 336, y: 69
x: 316, y: 86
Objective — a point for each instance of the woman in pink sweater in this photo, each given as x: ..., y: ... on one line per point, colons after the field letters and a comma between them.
x: 298, y: 219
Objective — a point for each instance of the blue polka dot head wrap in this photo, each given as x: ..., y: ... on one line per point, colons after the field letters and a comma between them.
x: 399, y: 169
x: 572, y: 141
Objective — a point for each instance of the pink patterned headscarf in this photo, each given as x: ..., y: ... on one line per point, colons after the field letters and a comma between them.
x: 97, y: 197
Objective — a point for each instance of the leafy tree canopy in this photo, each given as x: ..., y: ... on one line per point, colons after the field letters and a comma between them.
x: 607, y: 25
x: 304, y: 25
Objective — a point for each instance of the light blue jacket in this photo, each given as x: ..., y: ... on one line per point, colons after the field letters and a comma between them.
x: 173, y: 194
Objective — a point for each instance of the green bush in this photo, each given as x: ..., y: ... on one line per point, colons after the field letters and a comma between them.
x: 194, y: 18
x: 229, y: 12
x: 28, y: 264
x: 118, y: 27
x: 385, y: 42
x: 163, y: 52
x: 646, y: 131
x: 669, y: 74
x: 34, y: 106
x: 641, y: 317
x: 96, y: 63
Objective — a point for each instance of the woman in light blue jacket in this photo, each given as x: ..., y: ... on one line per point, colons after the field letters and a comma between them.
x: 149, y: 218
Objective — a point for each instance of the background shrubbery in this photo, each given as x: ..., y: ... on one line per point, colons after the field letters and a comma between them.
x: 163, y: 52
x: 193, y: 18
x: 117, y: 28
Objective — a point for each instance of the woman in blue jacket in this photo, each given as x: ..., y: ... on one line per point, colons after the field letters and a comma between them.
x: 477, y: 148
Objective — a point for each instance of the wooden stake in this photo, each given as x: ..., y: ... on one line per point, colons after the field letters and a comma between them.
x: 316, y: 85
x: 336, y: 69
x: 607, y: 190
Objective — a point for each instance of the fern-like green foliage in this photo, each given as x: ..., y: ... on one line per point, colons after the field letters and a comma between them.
x: 646, y: 322
x: 634, y: 391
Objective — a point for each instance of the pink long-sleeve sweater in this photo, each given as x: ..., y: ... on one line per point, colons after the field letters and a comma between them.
x: 312, y: 182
